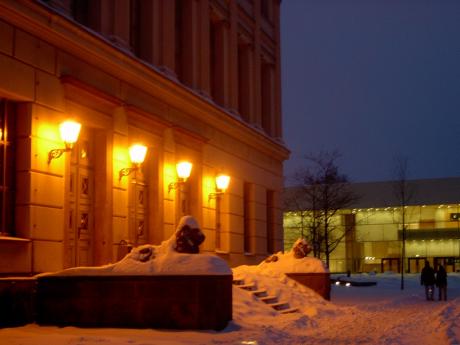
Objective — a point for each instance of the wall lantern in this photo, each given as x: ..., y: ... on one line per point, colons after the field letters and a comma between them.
x: 137, y: 154
x: 183, y: 170
x: 222, y: 182
x: 69, y: 134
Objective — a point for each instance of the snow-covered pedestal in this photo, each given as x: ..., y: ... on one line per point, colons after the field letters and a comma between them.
x: 308, y: 271
x: 318, y: 282
x: 164, y: 286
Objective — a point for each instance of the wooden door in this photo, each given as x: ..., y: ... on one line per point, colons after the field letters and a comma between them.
x: 81, y: 201
x: 138, y: 209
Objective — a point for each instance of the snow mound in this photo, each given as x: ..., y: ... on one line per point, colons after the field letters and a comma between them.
x: 271, y: 275
x: 288, y: 263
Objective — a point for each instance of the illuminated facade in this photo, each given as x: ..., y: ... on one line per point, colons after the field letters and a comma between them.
x: 375, y: 223
x: 195, y: 81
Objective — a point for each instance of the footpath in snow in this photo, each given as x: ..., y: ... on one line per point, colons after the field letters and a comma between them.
x: 381, y: 314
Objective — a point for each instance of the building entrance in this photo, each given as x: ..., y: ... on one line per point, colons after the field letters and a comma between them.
x: 390, y: 264
x: 80, y: 215
x: 447, y: 262
x: 416, y: 264
x: 138, y: 210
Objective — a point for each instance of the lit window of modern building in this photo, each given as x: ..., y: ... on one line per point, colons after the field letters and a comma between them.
x: 371, y: 230
x: 148, y: 85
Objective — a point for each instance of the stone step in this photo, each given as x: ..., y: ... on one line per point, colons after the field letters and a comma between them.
x: 260, y: 293
x: 250, y: 287
x: 238, y: 282
x: 280, y: 305
x: 269, y: 299
x: 288, y: 311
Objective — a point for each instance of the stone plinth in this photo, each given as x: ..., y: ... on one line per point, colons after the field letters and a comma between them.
x: 167, y: 301
x: 319, y: 282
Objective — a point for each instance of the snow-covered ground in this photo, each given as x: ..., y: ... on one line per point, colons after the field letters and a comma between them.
x: 381, y: 314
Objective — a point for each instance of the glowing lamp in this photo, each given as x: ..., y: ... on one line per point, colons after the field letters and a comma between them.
x: 222, y: 182
x: 137, y: 154
x: 183, y: 169
x: 69, y: 130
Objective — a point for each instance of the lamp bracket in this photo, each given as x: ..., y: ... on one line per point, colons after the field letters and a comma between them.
x: 56, y: 153
x: 176, y: 185
x: 126, y: 172
x: 216, y: 195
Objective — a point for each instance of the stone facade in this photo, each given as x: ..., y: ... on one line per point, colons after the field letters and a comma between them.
x: 190, y: 79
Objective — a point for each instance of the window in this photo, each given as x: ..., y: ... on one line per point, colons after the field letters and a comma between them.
x: 141, y: 29
x: 7, y: 166
x: 247, y: 217
x: 216, y: 58
x: 85, y: 12
x: 266, y: 9
x: 179, y: 39
x: 244, y: 72
x: 267, y: 106
x: 270, y: 218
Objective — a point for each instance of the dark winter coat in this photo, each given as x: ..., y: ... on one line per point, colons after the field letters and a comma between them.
x: 441, y: 277
x: 427, y: 277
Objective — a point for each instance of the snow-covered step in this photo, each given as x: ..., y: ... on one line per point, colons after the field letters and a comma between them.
x: 290, y: 310
x: 269, y: 299
x: 260, y: 293
x: 279, y: 305
x: 249, y: 287
x: 238, y: 282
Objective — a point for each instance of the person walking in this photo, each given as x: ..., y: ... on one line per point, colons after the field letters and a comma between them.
x: 441, y: 282
x: 428, y: 279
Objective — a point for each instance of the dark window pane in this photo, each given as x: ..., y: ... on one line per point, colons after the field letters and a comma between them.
x: 7, y: 166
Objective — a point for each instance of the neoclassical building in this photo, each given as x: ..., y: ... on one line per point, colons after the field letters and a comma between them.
x: 194, y: 81
x: 373, y: 227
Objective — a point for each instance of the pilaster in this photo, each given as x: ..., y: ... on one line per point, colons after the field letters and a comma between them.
x: 233, y: 57
x: 168, y: 30
x: 257, y: 119
x: 204, y: 20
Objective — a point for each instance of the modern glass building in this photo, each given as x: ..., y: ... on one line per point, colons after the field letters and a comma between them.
x: 372, y: 227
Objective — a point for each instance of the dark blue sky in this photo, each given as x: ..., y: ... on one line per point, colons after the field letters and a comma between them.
x: 373, y: 79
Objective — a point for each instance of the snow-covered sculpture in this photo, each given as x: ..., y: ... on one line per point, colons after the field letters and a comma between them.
x: 186, y: 239
x: 188, y: 236
x: 173, y: 256
x: 301, y: 248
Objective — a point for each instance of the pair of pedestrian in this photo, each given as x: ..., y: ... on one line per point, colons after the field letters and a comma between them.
x: 429, y: 278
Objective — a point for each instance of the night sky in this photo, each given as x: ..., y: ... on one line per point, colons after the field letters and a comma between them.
x: 375, y: 80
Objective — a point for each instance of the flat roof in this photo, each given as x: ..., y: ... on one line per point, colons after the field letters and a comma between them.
x: 382, y: 194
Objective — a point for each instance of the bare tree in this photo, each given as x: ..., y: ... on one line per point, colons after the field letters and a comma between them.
x: 324, y: 191
x: 403, y: 191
